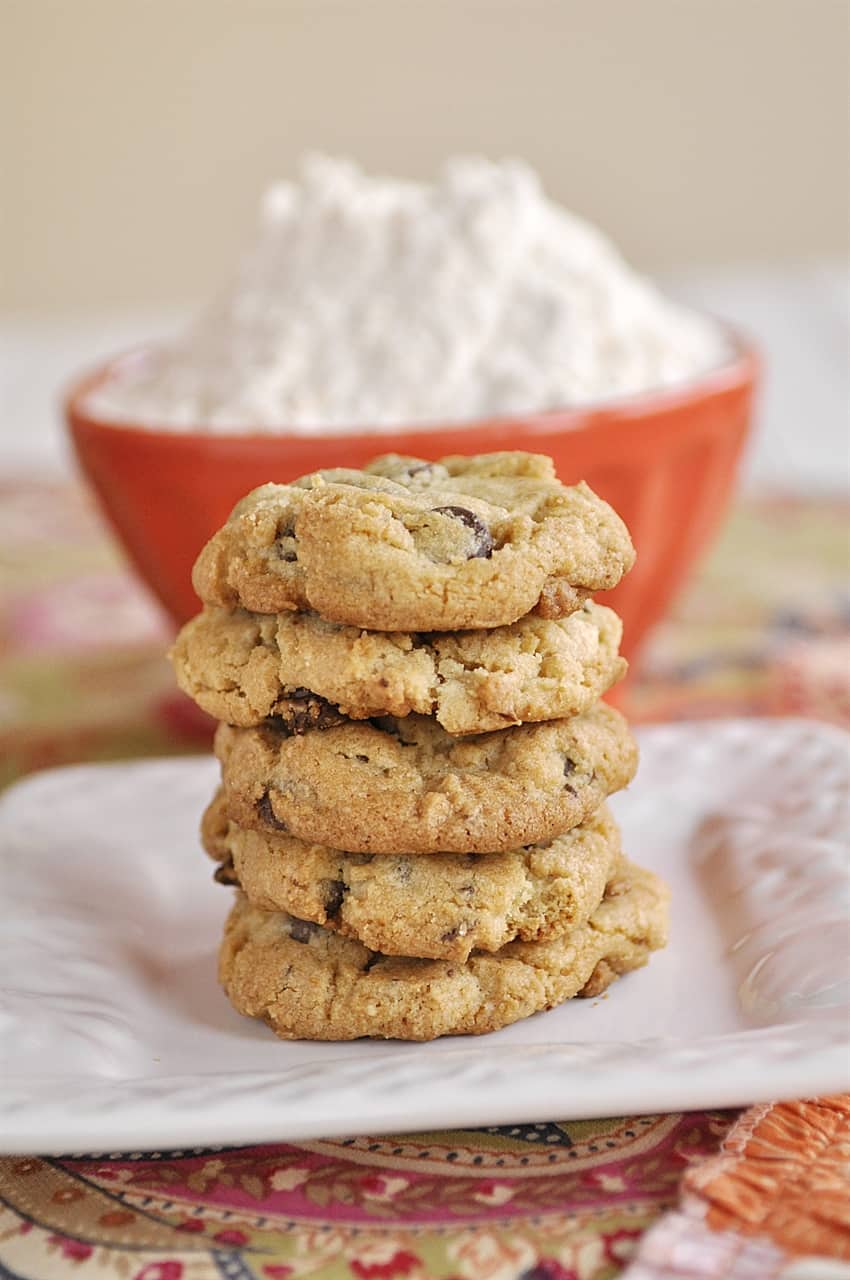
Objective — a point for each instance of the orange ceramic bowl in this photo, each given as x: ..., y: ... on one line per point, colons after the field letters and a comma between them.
x: 665, y: 460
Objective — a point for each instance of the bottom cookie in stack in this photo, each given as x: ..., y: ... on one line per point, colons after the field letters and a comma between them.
x: 308, y: 982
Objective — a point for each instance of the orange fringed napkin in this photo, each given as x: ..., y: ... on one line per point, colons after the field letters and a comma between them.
x: 778, y: 1190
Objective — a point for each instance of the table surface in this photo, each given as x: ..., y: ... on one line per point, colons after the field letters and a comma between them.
x: 763, y: 629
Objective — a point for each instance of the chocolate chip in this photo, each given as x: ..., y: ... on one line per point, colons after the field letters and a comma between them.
x: 394, y: 728
x: 334, y: 897
x: 569, y: 768
x: 267, y: 815
x: 278, y: 725
x: 301, y: 710
x: 386, y: 724
x: 224, y: 873
x: 483, y: 545
x: 285, y: 536
x: 301, y: 930
x: 421, y: 469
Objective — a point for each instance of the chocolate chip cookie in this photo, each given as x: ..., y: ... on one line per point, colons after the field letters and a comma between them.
x: 380, y: 786
x: 307, y: 982
x: 243, y: 667
x: 441, y: 907
x: 408, y: 545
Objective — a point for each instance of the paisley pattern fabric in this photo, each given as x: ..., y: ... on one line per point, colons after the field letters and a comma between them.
x: 763, y: 629
x: 543, y: 1203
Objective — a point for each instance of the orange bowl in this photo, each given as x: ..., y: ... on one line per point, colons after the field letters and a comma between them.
x: 666, y: 461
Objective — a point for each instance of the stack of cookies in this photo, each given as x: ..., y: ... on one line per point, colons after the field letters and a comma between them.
x: 407, y: 665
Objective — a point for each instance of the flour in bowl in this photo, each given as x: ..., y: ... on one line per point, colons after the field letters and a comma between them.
x: 374, y: 302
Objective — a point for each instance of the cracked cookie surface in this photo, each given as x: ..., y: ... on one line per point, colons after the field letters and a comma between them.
x: 409, y: 545
x: 377, y: 787
x: 309, y: 983
x: 441, y: 907
x: 242, y: 667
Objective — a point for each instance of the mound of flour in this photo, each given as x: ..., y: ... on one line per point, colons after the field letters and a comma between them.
x: 372, y: 301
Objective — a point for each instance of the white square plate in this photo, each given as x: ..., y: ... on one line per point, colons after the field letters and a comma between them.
x: 115, y: 1035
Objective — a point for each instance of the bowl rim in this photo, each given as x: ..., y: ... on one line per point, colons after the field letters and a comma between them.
x: 741, y: 369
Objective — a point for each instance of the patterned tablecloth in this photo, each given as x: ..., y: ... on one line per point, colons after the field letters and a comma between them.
x: 763, y: 629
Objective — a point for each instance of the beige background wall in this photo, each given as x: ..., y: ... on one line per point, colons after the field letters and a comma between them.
x: 137, y: 134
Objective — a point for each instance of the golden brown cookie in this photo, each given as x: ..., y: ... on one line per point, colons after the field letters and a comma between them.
x: 441, y: 907
x: 244, y: 667
x: 309, y: 983
x: 381, y: 787
x: 408, y: 545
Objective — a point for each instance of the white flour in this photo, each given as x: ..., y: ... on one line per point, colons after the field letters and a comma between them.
x: 371, y: 301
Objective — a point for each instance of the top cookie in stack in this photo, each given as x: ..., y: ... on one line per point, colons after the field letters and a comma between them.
x: 407, y: 667
x: 407, y: 545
